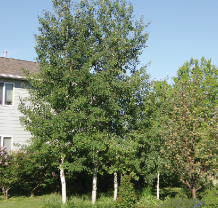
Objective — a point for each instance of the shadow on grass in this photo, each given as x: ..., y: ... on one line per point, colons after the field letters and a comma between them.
x: 164, y: 192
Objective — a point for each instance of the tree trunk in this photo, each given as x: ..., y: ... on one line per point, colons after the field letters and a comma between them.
x: 115, y: 186
x: 63, y: 182
x: 158, y: 185
x: 5, y: 192
x: 193, y: 192
x: 193, y: 188
x: 33, y: 191
x: 94, y: 186
x: 32, y: 194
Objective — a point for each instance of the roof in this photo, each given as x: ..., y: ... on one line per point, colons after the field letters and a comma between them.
x: 10, y: 68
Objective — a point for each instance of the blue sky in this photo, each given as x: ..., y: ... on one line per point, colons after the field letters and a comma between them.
x: 179, y: 30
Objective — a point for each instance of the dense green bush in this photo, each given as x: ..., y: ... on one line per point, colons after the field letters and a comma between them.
x: 210, y: 197
x: 9, y: 171
x: 147, y: 199
x: 126, y: 195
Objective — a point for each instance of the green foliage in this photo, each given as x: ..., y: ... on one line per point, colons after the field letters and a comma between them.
x: 147, y: 199
x: 82, y: 100
x: 190, y: 133
x: 53, y: 201
x: 36, y: 170
x: 182, y: 194
x: 126, y: 195
x: 207, y: 73
x: 149, y: 152
x: 147, y: 192
x: 9, y: 170
x: 210, y: 197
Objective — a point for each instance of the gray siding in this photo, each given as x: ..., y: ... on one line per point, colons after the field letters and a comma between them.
x: 9, y: 115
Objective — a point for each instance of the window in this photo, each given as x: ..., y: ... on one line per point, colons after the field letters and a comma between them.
x: 6, y: 141
x: 1, y: 93
x: 6, y: 93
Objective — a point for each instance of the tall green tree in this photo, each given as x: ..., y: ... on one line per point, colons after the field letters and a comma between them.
x: 85, y: 51
x: 208, y: 74
x: 122, y: 152
x: 151, y: 162
x: 190, y: 134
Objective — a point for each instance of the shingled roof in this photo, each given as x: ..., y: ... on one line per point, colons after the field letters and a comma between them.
x: 10, y: 68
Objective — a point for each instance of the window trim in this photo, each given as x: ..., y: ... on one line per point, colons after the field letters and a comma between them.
x: 1, y: 140
x: 3, y: 94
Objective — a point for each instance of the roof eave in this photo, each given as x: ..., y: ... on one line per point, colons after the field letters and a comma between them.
x: 12, y: 76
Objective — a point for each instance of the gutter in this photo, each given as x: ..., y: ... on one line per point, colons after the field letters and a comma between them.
x: 12, y: 76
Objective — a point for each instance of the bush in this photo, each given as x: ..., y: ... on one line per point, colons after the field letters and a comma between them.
x: 210, y: 197
x: 147, y: 192
x: 147, y: 199
x: 52, y: 201
x: 126, y: 195
x: 9, y: 170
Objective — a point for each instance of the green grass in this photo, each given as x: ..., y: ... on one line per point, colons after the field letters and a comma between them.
x: 164, y: 192
x: 50, y: 201
x: 145, y: 199
x: 21, y: 202
x: 148, y: 197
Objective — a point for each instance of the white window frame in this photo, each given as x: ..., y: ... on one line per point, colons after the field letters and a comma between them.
x: 3, y: 94
x: 1, y: 140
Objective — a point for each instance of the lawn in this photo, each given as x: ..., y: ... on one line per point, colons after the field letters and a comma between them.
x: 37, y: 201
x: 52, y: 200
x: 105, y: 200
x: 21, y: 202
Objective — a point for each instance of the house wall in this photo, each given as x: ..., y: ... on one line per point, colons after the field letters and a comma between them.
x: 9, y: 115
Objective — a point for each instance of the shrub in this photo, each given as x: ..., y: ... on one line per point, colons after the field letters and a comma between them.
x: 52, y: 201
x: 147, y: 192
x: 147, y: 199
x: 210, y: 197
x: 9, y: 173
x: 126, y: 195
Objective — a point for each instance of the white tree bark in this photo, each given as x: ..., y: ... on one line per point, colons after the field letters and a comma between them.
x: 158, y: 185
x: 115, y: 186
x: 63, y: 182
x: 94, y: 186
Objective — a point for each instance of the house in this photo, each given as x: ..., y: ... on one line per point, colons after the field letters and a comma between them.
x: 12, y: 82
